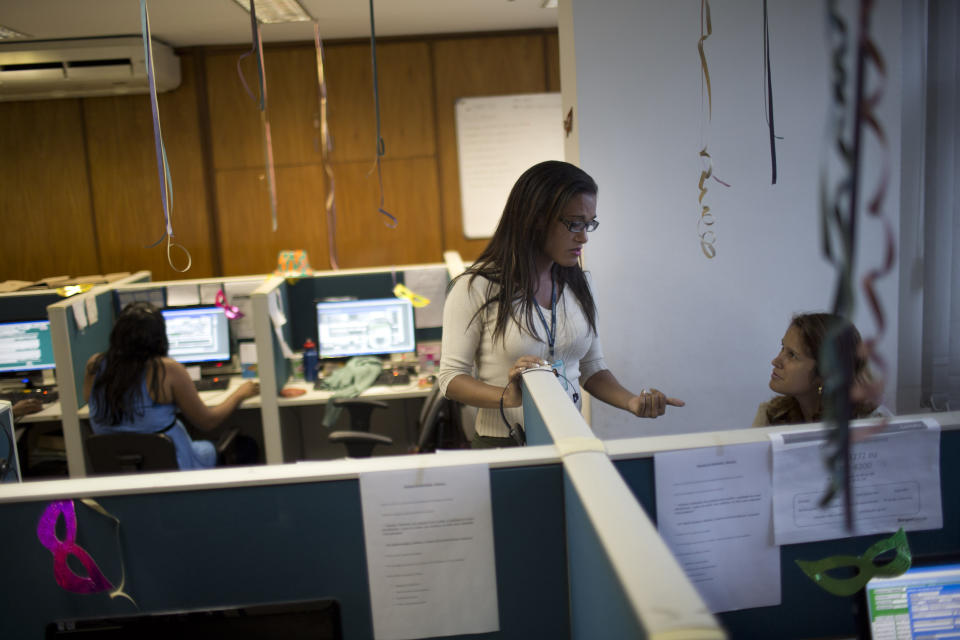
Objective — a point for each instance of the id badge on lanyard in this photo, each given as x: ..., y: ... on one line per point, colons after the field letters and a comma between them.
x: 555, y: 363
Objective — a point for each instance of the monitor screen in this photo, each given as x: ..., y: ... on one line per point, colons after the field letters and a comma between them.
x: 923, y: 603
x: 25, y: 346
x: 198, y: 334
x: 365, y: 327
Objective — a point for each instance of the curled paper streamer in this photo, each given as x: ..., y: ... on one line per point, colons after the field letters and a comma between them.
x: 391, y: 221
x: 416, y: 299
x: 229, y: 310
x: 326, y: 146
x: 817, y: 570
x: 95, y: 581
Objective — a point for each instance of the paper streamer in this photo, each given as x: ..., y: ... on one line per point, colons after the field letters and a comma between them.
x: 818, y: 570
x: 326, y: 146
x: 257, y: 48
x: 706, y: 220
x: 94, y: 581
x: 163, y: 167
x: 838, y: 212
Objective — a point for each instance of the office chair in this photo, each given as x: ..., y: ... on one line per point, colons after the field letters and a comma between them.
x: 111, y: 453
x: 126, y: 452
x: 441, y: 425
x: 358, y: 440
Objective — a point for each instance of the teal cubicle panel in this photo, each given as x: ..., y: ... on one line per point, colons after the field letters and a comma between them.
x: 208, y: 549
x: 92, y: 339
x: 807, y: 611
x: 599, y: 607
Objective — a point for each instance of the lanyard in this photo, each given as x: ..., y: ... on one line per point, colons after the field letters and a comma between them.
x: 552, y: 329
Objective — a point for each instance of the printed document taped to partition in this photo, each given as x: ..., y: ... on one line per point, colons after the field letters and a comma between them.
x: 713, y: 511
x: 430, y: 560
x: 896, y: 483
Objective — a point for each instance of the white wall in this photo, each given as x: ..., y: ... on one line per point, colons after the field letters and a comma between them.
x: 698, y: 329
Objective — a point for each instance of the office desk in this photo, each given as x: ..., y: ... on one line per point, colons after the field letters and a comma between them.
x: 376, y: 392
x: 210, y: 398
x: 304, y: 417
x: 49, y: 413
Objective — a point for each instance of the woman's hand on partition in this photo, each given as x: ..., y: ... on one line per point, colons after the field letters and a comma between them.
x: 512, y: 396
x: 651, y: 404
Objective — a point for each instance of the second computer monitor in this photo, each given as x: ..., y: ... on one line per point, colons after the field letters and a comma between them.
x: 198, y: 334
x: 25, y: 346
x: 365, y: 327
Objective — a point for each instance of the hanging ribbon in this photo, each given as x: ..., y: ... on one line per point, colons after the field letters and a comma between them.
x: 94, y: 581
x: 326, y: 146
x: 257, y: 48
x: 381, y: 148
x: 163, y: 167
x: 768, y: 95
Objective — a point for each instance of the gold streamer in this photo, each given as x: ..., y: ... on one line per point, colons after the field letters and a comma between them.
x: 118, y: 592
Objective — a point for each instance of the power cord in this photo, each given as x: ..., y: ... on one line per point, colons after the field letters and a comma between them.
x: 516, y: 431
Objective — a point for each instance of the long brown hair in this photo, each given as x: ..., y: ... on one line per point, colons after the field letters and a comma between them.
x: 138, y: 341
x: 508, y: 262
x: 813, y: 328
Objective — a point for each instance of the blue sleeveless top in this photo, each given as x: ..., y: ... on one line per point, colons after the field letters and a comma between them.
x: 153, y: 417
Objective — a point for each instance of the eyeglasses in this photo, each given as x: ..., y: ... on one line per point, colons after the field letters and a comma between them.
x: 576, y: 226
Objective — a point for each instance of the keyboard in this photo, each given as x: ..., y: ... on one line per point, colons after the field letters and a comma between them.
x: 391, y: 377
x: 214, y: 383
x: 45, y: 395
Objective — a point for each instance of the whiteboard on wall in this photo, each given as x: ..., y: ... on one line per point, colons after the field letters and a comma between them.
x: 498, y: 138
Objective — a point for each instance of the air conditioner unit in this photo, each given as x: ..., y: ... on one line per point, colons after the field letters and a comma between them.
x: 41, y: 69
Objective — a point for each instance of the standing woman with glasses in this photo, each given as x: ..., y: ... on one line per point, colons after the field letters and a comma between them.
x: 526, y: 302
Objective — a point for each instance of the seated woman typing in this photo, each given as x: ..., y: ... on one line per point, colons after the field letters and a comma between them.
x: 797, y: 377
x: 135, y: 387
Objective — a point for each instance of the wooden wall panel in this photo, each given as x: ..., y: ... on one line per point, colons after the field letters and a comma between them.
x: 45, y: 198
x: 126, y: 187
x: 406, y: 101
x: 235, y: 130
x: 486, y: 66
x: 411, y: 195
x: 248, y: 245
x: 294, y: 104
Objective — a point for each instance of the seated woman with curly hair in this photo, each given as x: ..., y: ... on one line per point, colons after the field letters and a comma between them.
x: 796, y: 373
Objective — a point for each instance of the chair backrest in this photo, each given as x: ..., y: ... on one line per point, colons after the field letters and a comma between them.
x: 130, y: 452
x: 440, y: 424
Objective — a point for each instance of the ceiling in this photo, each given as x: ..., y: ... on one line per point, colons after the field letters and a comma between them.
x: 183, y: 23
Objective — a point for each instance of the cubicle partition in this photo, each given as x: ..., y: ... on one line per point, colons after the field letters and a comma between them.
x: 228, y: 538
x: 623, y: 578
x: 285, y: 317
x: 80, y: 327
x: 806, y: 610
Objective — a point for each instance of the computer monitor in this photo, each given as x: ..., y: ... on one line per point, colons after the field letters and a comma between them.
x: 923, y: 603
x: 198, y: 334
x: 348, y: 328
x: 25, y: 346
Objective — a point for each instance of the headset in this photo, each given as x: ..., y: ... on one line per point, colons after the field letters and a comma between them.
x: 516, y: 430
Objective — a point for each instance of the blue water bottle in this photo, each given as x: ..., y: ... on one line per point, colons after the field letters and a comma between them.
x: 309, y: 361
